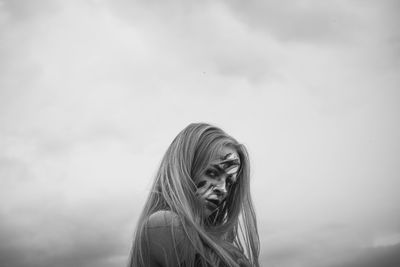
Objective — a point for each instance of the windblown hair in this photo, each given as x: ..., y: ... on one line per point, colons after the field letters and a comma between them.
x: 174, y: 189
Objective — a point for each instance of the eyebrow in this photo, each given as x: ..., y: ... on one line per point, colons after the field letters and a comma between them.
x: 226, y: 156
x: 233, y: 176
x: 221, y: 170
x: 216, y: 166
x: 232, y: 161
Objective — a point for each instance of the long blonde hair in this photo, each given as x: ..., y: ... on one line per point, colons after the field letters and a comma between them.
x: 174, y: 189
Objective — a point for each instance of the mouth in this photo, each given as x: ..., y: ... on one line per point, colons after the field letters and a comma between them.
x: 213, y: 203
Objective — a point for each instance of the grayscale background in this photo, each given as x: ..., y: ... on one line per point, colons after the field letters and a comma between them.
x: 93, y: 92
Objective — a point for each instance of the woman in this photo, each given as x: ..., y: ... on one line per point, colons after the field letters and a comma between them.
x: 199, y: 211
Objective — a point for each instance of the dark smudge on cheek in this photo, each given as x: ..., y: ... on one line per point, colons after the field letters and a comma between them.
x: 201, y: 184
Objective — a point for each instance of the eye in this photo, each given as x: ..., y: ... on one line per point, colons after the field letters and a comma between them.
x: 211, y: 173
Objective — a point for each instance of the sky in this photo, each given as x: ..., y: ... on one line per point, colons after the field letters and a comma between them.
x: 93, y: 92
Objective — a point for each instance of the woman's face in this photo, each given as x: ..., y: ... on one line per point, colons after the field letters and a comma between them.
x: 214, y: 184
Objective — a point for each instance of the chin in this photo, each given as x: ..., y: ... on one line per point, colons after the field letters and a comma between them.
x: 208, y: 212
x: 211, y: 216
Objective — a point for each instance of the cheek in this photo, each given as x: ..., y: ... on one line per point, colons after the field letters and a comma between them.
x: 203, y: 186
x: 204, y: 182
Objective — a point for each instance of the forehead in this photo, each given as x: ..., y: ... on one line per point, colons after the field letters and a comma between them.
x: 225, y: 153
x: 226, y: 160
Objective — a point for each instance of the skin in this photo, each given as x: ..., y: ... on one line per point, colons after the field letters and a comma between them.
x: 214, y: 184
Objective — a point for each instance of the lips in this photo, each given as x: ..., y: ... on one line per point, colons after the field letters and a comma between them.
x: 213, y: 203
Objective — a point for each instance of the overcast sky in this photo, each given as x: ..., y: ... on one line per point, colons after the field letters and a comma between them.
x: 93, y: 92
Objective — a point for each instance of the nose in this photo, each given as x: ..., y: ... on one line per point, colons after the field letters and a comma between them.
x: 220, y: 189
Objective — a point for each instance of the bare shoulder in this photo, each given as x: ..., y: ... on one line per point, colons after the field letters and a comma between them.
x: 166, y: 238
x: 164, y: 228
x: 163, y: 218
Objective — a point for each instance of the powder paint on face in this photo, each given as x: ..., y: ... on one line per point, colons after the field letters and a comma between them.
x: 230, y: 164
x: 213, y: 186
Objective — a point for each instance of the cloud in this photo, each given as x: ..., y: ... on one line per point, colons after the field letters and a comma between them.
x: 318, y: 255
x: 300, y: 21
x: 300, y: 243
x: 205, y: 37
x: 93, y: 92
x: 387, y: 256
x: 48, y: 222
x: 23, y: 10
x: 58, y: 208
x: 312, y: 21
x: 49, y: 238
